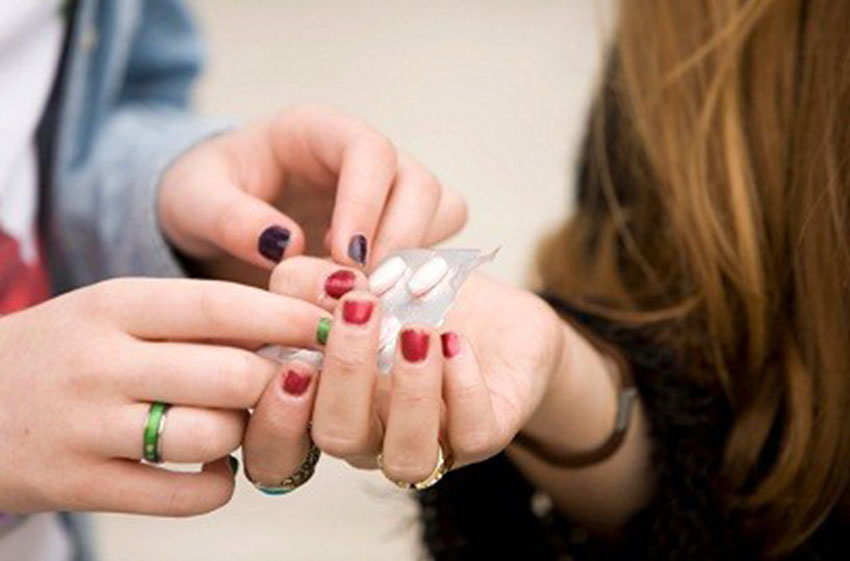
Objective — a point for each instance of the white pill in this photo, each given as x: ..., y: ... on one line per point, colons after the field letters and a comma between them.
x: 427, y: 276
x: 386, y: 275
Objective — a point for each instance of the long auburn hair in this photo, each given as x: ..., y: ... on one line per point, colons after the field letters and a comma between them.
x: 733, y: 118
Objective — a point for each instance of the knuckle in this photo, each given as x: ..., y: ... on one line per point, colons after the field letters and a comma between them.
x: 410, y: 399
x: 285, y: 277
x: 104, y: 296
x: 427, y: 183
x: 409, y: 466
x: 225, y: 224
x: 240, y: 380
x: 474, y: 445
x: 180, y: 502
x: 341, y: 443
x: 381, y: 149
x: 347, y: 360
x: 278, y: 428
x: 465, y: 393
x: 384, y: 149
x: 413, y: 392
x: 210, y: 440
x: 211, y: 306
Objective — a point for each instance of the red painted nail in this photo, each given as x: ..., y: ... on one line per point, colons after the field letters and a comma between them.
x: 414, y: 345
x: 451, y: 344
x: 356, y: 312
x: 339, y: 283
x: 295, y: 383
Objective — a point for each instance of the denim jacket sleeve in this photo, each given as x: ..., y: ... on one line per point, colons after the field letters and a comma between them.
x: 123, y: 118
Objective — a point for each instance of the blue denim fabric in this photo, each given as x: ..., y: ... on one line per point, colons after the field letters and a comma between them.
x: 122, y: 118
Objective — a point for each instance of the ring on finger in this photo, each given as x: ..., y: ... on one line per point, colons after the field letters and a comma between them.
x: 301, y: 476
x: 152, y: 434
x: 444, y: 464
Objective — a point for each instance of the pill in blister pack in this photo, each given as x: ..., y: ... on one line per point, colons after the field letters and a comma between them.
x: 387, y: 275
x: 414, y: 286
x: 427, y: 276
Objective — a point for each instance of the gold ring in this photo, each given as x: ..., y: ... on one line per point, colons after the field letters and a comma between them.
x: 301, y: 476
x: 444, y: 464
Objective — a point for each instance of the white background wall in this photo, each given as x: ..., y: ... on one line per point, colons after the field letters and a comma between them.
x: 491, y: 95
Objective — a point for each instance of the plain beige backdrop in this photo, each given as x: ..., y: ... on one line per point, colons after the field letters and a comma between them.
x: 492, y: 96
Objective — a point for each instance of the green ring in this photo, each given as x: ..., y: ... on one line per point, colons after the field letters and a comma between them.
x: 322, y: 330
x: 153, y: 429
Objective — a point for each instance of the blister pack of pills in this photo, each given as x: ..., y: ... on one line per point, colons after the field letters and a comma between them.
x: 414, y: 286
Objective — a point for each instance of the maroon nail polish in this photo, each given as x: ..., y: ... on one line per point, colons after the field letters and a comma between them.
x: 295, y: 383
x: 414, y: 345
x: 357, y: 313
x: 451, y: 344
x: 339, y: 283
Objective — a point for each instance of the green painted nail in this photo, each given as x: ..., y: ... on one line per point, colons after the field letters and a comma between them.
x: 233, y: 462
x: 322, y: 331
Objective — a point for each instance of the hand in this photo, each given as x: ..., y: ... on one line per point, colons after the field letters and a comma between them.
x: 490, y: 382
x: 309, y: 180
x: 78, y: 373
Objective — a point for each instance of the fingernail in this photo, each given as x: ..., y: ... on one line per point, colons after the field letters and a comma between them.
x: 357, y: 313
x: 272, y: 243
x: 323, y: 330
x: 295, y: 384
x: 451, y: 344
x: 414, y: 345
x: 233, y: 463
x: 358, y: 248
x: 339, y: 283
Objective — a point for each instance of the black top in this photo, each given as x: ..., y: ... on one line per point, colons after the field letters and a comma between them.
x: 489, y: 511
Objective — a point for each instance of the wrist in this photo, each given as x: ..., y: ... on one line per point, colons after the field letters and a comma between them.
x: 578, y: 408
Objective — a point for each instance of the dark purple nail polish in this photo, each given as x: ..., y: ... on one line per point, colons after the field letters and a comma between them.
x: 358, y: 248
x: 272, y: 243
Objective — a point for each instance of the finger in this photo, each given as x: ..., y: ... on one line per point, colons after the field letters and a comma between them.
x: 189, y: 435
x: 471, y: 423
x: 320, y: 144
x: 411, y: 440
x: 318, y: 281
x: 449, y: 218
x: 197, y: 374
x: 198, y: 310
x: 127, y: 486
x: 254, y: 231
x: 409, y: 211
x: 276, y: 440
x: 367, y: 171
x: 222, y: 215
x: 344, y: 423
